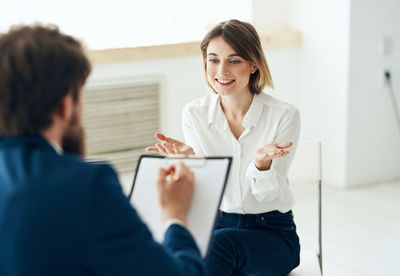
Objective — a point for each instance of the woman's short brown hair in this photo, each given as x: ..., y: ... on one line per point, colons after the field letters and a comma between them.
x: 243, y: 38
x: 39, y: 65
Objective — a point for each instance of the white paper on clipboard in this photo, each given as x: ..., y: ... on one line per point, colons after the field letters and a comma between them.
x: 211, y: 175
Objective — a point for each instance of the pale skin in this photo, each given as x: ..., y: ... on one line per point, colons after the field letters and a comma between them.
x: 175, y: 193
x: 229, y: 75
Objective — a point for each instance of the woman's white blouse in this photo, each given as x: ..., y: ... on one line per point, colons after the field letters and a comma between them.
x: 268, y: 120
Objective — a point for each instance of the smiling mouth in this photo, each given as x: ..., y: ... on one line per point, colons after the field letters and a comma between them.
x: 224, y: 82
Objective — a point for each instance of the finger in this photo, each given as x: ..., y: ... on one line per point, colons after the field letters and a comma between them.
x: 270, y: 154
x: 168, y: 148
x: 164, y: 138
x: 282, y: 151
x: 151, y: 149
x: 159, y: 136
x: 162, y: 174
x: 276, y: 154
x: 180, y: 169
x: 171, y: 172
x: 269, y: 148
x: 161, y: 148
x: 284, y: 145
x: 176, y: 149
x: 171, y: 167
x: 279, y: 154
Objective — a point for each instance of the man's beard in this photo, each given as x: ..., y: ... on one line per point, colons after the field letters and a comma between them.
x: 74, y: 138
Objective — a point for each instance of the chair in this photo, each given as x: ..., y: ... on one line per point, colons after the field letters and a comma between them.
x: 306, y: 168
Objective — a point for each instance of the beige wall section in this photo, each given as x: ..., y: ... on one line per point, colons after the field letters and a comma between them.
x: 282, y: 39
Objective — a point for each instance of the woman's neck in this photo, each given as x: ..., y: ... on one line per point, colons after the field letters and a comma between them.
x: 236, y: 106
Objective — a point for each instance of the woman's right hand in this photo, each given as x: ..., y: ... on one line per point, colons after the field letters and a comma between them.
x: 169, y: 146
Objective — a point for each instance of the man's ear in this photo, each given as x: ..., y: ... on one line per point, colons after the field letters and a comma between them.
x: 65, y: 109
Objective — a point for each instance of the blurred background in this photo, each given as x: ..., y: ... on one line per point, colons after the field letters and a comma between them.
x: 328, y: 57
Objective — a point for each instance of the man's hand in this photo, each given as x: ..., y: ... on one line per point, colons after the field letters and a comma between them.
x: 175, y: 191
x: 264, y: 156
x: 170, y: 146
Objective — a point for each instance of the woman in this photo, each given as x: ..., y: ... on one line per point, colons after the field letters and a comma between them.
x: 255, y: 232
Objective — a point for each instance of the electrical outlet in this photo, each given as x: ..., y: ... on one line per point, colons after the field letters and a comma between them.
x: 382, y: 81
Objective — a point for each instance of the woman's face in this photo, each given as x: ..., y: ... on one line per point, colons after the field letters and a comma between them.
x: 227, y: 72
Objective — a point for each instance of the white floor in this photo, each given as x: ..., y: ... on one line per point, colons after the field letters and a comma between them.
x: 360, y: 228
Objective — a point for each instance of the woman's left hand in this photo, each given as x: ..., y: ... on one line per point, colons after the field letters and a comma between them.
x: 264, y: 156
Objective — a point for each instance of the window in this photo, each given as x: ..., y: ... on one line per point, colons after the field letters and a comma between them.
x: 123, y: 23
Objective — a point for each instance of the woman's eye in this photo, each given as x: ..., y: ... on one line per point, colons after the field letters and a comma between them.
x: 235, y: 61
x: 213, y: 60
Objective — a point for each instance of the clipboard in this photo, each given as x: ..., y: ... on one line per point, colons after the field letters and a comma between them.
x: 211, y: 175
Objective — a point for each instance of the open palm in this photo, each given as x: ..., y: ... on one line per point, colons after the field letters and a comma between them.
x: 169, y: 146
x: 264, y: 155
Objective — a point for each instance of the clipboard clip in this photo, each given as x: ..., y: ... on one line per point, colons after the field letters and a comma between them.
x: 184, y: 156
x: 190, y: 160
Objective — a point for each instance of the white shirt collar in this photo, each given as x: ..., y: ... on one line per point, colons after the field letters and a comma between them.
x: 212, y: 111
x: 250, y: 119
x: 253, y: 114
x: 56, y: 147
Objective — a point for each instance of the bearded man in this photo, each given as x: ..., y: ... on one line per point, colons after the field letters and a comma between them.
x: 60, y: 215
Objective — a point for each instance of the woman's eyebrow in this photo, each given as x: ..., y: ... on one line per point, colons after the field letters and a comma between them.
x: 231, y: 55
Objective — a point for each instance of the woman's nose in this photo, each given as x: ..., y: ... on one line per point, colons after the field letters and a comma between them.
x: 223, y: 68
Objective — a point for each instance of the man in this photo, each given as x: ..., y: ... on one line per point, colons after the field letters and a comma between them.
x: 58, y: 214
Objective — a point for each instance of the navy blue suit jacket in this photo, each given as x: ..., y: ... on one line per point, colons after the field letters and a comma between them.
x: 62, y: 216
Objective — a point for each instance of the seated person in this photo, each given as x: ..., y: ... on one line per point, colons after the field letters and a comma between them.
x: 255, y: 232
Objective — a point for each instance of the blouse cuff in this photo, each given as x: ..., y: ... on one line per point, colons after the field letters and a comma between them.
x: 263, y: 183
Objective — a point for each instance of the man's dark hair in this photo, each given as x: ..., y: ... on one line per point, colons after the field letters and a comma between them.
x: 38, y: 67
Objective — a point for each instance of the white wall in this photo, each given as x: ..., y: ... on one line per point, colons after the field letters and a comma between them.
x: 322, y: 66
x: 271, y: 15
x: 373, y: 139
x: 315, y: 73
